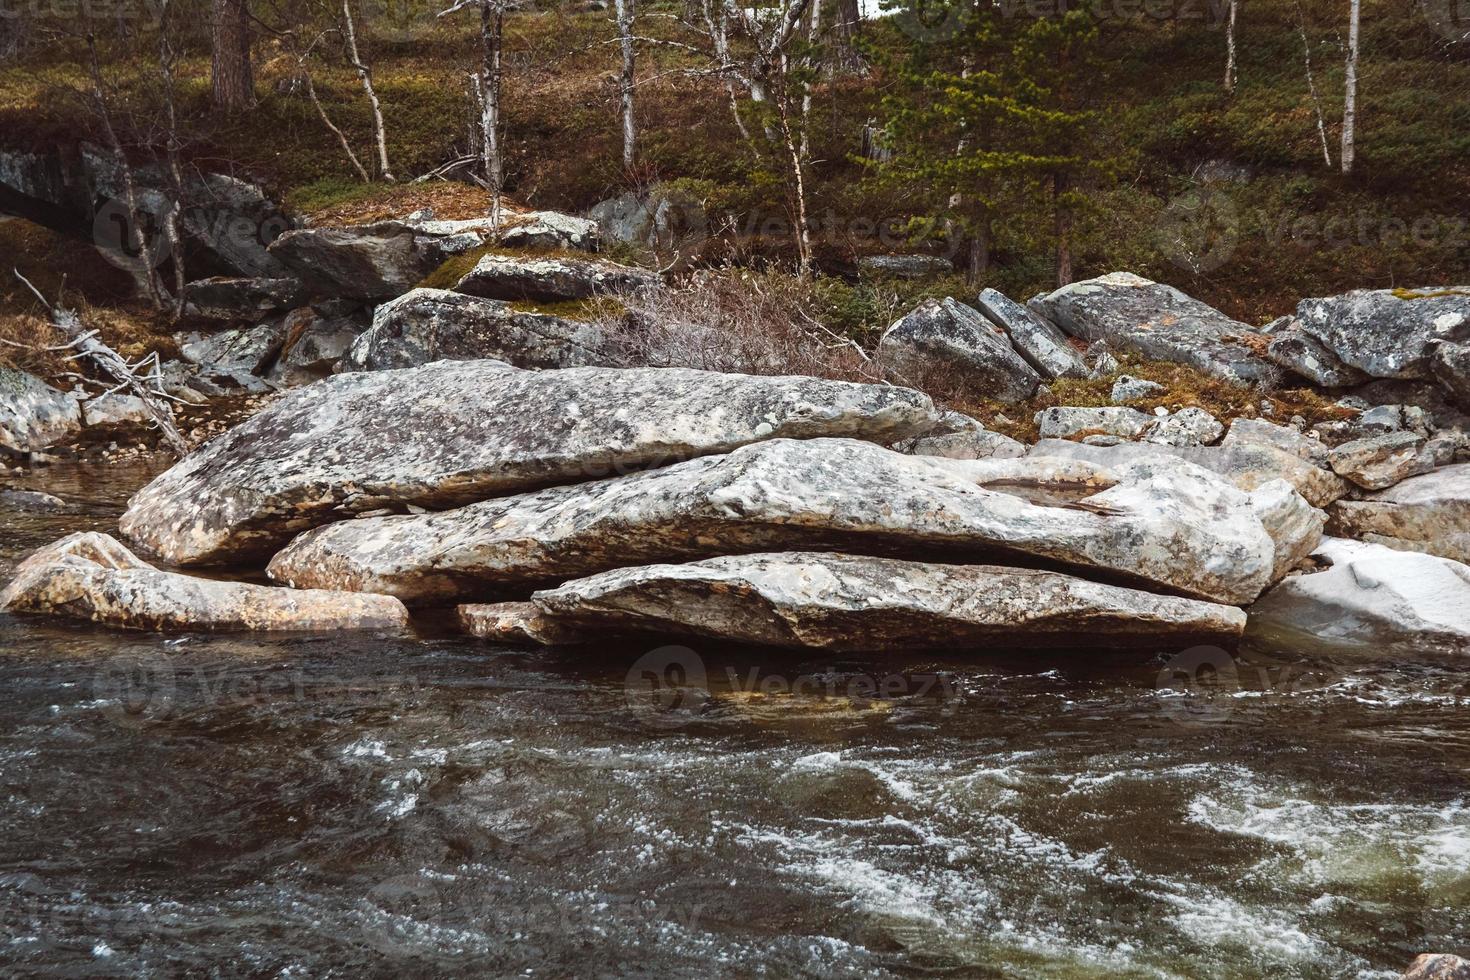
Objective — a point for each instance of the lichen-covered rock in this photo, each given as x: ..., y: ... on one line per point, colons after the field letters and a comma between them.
x: 1186, y: 427
x: 519, y: 624
x: 910, y: 266
x: 115, y: 409
x: 1160, y: 323
x: 548, y: 279
x: 1438, y: 966
x: 246, y: 350
x: 946, y: 340
x: 1130, y: 389
x: 1369, y: 601
x: 1300, y: 352
x: 34, y: 415
x: 1155, y: 521
x: 849, y: 603
x: 978, y: 444
x: 1063, y: 422
x: 364, y: 262
x: 549, y: 230
x: 1248, y: 466
x: 316, y: 344
x: 92, y: 576
x: 1429, y: 513
x: 226, y: 298
x: 1387, y: 333
x: 453, y: 432
x: 1295, y: 525
x: 1260, y: 432
x: 1378, y: 462
x: 1037, y: 340
x: 427, y: 325
x: 1449, y: 364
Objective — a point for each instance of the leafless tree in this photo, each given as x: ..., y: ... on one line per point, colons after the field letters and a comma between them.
x: 1301, y: 17
x: 487, y: 87
x: 1230, y: 47
x: 627, y: 12
x: 365, y: 75
x: 1350, y: 97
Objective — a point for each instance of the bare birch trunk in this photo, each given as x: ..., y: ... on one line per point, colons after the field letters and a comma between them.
x: 366, y: 75
x: 492, y: 34
x: 1301, y: 16
x: 327, y: 121
x: 1230, y: 48
x: 626, y: 12
x: 1350, y: 97
x: 167, y: 59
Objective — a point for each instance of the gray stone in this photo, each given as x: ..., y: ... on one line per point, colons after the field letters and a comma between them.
x: 316, y: 344
x: 363, y: 262
x: 1063, y: 422
x: 426, y: 325
x: 913, y: 266
x: 1449, y: 364
x: 453, y: 432
x: 1303, y: 354
x: 623, y: 219
x: 244, y: 350
x: 947, y: 341
x: 224, y: 298
x: 1261, y: 432
x: 518, y: 624
x: 1378, y: 462
x: 550, y: 230
x: 1371, y: 602
x: 1037, y: 340
x: 1130, y: 389
x: 1429, y: 513
x: 1100, y: 361
x: 547, y: 279
x: 92, y: 576
x: 1438, y: 966
x: 34, y: 415
x: 1186, y: 427
x: 1387, y: 333
x: 1155, y: 521
x: 1248, y: 466
x: 1160, y: 323
x: 115, y: 409
x: 1294, y: 525
x: 35, y: 500
x: 847, y: 603
x: 980, y: 444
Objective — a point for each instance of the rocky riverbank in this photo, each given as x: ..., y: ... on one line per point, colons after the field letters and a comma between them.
x: 441, y: 447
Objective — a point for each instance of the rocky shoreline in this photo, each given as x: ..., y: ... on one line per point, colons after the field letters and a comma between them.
x: 447, y: 447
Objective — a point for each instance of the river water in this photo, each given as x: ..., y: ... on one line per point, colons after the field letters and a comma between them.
x: 427, y: 806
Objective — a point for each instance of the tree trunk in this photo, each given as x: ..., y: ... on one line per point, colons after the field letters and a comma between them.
x: 1350, y: 98
x: 366, y: 75
x: 231, y: 75
x: 167, y: 59
x: 1230, y: 48
x: 798, y: 162
x: 1063, y: 229
x: 492, y: 34
x: 845, y: 34
x: 627, y: 11
x: 979, y: 253
x: 1301, y: 17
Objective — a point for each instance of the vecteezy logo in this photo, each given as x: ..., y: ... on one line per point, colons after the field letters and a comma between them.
x: 1450, y: 18
x: 134, y: 690
x: 1198, y: 679
x: 400, y: 907
x: 1200, y: 229
x: 121, y: 239
x: 665, y: 687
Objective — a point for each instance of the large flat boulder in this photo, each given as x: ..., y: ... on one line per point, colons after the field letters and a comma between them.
x: 364, y: 262
x: 1160, y: 323
x: 1429, y: 513
x: 34, y: 415
x: 945, y: 341
x: 1036, y: 339
x: 1387, y: 333
x: 550, y: 279
x: 850, y: 603
x: 92, y: 576
x: 1160, y: 522
x: 427, y: 325
x: 550, y: 230
x: 1249, y: 466
x: 1368, y: 601
x: 454, y: 432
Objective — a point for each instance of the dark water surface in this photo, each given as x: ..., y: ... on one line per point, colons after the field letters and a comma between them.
x: 389, y: 806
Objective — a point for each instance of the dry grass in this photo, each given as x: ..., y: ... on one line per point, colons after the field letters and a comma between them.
x: 380, y: 202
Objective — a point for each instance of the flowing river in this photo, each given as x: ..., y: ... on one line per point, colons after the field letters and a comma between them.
x: 388, y: 806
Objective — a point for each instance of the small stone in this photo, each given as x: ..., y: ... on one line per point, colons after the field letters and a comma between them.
x: 1059, y: 423
x: 1129, y: 389
x: 1378, y: 462
x: 1186, y: 427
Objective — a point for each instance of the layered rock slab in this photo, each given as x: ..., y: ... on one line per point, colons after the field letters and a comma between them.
x: 1369, y: 601
x: 426, y: 325
x: 454, y: 432
x: 1428, y: 513
x: 850, y: 603
x: 947, y: 340
x: 550, y: 279
x: 92, y: 576
x: 1156, y: 521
